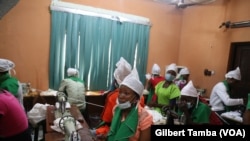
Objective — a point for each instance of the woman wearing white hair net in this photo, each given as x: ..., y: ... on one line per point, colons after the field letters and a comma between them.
x: 152, y: 81
x: 74, y: 88
x: 123, y: 69
x: 8, y: 82
x: 166, y: 91
x: 183, y: 77
x: 130, y: 120
x: 220, y: 99
x: 192, y: 110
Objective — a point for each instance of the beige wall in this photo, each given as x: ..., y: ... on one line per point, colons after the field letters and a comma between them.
x: 189, y: 36
x: 204, y: 45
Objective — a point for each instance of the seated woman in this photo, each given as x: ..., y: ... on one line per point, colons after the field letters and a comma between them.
x: 183, y: 78
x: 13, y: 120
x: 123, y: 69
x: 167, y: 91
x: 130, y: 120
x: 192, y: 110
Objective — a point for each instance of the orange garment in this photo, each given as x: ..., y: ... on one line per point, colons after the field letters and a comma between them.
x: 145, y: 121
x: 107, y: 112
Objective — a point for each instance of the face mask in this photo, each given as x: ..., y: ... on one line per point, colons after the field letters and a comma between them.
x: 169, y: 77
x: 181, y: 77
x: 124, y: 105
x: 189, y: 105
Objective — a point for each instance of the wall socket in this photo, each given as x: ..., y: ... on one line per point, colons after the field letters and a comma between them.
x: 208, y: 72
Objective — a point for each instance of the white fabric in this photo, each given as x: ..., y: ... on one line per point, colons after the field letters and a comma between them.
x: 234, y: 74
x: 219, y: 97
x: 145, y: 92
x: 37, y: 113
x: 20, y: 94
x: 72, y: 72
x: 132, y: 81
x: 184, y: 71
x: 57, y: 128
x: 172, y: 67
x: 156, y: 69
x: 189, y: 90
x: 123, y: 69
x: 49, y: 92
x: 148, y: 76
x: 233, y: 115
x: 6, y: 65
x: 158, y: 119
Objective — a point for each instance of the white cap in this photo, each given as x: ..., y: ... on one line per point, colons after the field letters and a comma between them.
x: 189, y: 90
x: 72, y: 72
x: 172, y: 67
x: 123, y: 69
x: 234, y: 74
x: 133, y: 82
x: 184, y: 71
x: 156, y: 69
x: 6, y: 65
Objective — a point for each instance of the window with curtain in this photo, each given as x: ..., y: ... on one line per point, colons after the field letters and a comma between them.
x: 93, y: 43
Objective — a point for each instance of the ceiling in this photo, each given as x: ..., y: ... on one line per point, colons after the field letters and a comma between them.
x: 5, y: 6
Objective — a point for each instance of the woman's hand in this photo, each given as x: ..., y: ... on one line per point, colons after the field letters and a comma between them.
x: 152, y: 104
x: 183, y: 106
x: 101, y: 137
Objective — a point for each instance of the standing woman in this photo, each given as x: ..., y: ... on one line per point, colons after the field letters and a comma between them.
x: 152, y: 81
x: 130, y: 121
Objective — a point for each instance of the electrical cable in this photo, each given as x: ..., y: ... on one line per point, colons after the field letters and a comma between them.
x: 86, y: 102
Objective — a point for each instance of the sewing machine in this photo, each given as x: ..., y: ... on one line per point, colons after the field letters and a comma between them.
x: 67, y: 122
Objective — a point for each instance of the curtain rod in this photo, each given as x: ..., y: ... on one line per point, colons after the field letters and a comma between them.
x: 97, y: 12
x: 230, y: 24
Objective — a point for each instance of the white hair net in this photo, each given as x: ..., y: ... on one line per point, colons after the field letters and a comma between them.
x: 72, y: 72
x: 156, y: 69
x: 184, y: 71
x: 6, y: 65
x: 189, y: 90
x: 234, y: 74
x: 172, y: 67
x: 133, y: 82
x: 123, y: 69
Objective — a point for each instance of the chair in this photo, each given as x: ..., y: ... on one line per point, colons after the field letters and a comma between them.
x: 36, y: 127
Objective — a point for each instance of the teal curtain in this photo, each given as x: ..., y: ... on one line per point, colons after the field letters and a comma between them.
x: 93, y: 45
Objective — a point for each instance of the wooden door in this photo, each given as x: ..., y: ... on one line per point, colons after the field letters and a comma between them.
x: 240, y: 56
